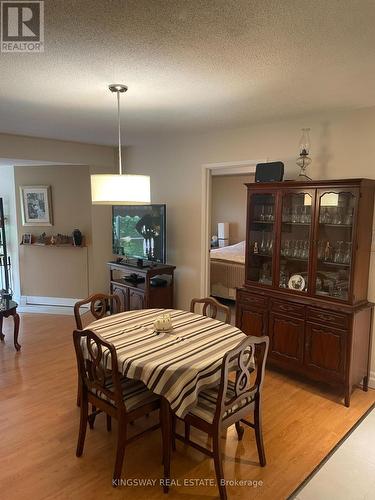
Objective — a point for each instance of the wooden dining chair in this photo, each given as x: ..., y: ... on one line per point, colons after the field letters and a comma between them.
x: 120, y: 398
x: 230, y: 402
x: 211, y: 308
x: 101, y: 305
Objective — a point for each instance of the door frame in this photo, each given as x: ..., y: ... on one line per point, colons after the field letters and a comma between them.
x: 208, y: 170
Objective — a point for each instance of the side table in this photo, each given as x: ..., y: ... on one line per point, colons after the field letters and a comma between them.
x: 9, y: 308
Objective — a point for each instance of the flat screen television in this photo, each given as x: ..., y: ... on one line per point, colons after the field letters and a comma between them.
x: 139, y: 232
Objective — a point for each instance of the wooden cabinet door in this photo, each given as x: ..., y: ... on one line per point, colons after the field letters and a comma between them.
x: 136, y: 300
x: 325, y: 350
x: 252, y: 321
x: 123, y: 294
x: 286, y: 338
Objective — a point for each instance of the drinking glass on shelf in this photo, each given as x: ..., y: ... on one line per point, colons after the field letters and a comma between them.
x: 321, y: 248
x: 296, y: 249
x: 305, y: 250
x: 287, y: 248
x: 349, y: 217
x: 294, y: 214
x: 262, y: 215
x: 338, y: 255
x: 270, y: 213
x: 291, y: 248
x: 304, y: 216
x: 269, y: 246
x: 286, y: 214
x: 324, y: 216
x: 348, y: 253
x: 338, y: 216
x: 263, y: 245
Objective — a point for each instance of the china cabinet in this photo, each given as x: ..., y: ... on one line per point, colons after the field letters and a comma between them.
x: 306, y: 277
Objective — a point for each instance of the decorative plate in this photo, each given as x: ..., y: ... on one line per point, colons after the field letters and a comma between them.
x: 296, y: 282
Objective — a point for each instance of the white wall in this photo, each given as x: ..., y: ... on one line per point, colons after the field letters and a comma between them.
x: 7, y: 192
x: 229, y: 195
x: 343, y: 146
x: 92, y: 158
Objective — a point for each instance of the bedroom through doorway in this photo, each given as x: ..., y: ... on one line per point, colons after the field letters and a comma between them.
x: 226, y: 231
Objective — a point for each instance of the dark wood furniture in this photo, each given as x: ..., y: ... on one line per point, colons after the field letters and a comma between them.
x: 9, y: 308
x: 155, y: 291
x: 315, y: 236
x: 100, y: 305
x: 229, y: 403
x: 123, y: 399
x: 211, y: 308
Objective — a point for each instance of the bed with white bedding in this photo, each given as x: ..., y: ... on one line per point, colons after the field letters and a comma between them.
x: 227, y: 266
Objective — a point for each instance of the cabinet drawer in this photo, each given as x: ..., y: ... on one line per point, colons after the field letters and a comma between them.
x: 288, y: 308
x: 252, y: 299
x: 328, y: 318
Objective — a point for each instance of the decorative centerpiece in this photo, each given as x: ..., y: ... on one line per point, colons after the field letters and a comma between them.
x: 163, y: 323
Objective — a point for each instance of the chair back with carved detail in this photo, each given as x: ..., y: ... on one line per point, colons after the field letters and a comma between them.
x: 211, y: 308
x: 100, y: 305
x: 247, y: 362
x: 94, y: 356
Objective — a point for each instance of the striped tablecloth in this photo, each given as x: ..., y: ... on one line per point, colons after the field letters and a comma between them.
x: 176, y: 366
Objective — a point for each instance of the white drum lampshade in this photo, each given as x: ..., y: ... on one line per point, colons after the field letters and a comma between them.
x: 120, y: 189
x: 124, y: 189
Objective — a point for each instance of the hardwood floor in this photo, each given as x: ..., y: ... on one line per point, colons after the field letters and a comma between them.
x: 39, y: 425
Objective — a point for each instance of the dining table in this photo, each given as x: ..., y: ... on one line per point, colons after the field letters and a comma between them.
x: 176, y: 365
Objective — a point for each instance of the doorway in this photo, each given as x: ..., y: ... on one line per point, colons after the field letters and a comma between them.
x: 210, y: 174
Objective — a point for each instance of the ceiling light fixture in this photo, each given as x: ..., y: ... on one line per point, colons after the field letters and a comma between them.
x: 120, y: 189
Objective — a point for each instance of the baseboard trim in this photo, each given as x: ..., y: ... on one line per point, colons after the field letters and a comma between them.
x: 47, y: 305
x: 68, y: 311
x: 371, y: 382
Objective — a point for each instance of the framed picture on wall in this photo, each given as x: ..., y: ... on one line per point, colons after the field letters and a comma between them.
x: 36, y: 205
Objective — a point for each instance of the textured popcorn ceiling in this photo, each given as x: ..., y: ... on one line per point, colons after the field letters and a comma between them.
x: 189, y: 65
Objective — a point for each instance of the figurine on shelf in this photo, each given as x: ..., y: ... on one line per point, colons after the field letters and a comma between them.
x: 52, y: 241
x: 327, y: 252
x: 64, y: 239
x: 41, y: 239
x: 256, y: 248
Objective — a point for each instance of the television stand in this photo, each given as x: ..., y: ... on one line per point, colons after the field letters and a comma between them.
x: 145, y: 292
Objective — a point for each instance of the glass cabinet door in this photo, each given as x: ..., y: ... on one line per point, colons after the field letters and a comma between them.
x: 334, y: 243
x: 261, y: 237
x: 295, y: 240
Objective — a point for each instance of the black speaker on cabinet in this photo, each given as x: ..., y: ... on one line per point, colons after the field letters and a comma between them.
x: 269, y: 172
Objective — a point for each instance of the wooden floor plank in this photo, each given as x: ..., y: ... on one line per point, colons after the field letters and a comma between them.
x: 39, y: 425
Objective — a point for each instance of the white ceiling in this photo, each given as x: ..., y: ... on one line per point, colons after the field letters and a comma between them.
x: 189, y: 64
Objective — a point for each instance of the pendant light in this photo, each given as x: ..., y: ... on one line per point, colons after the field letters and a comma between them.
x: 120, y: 189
